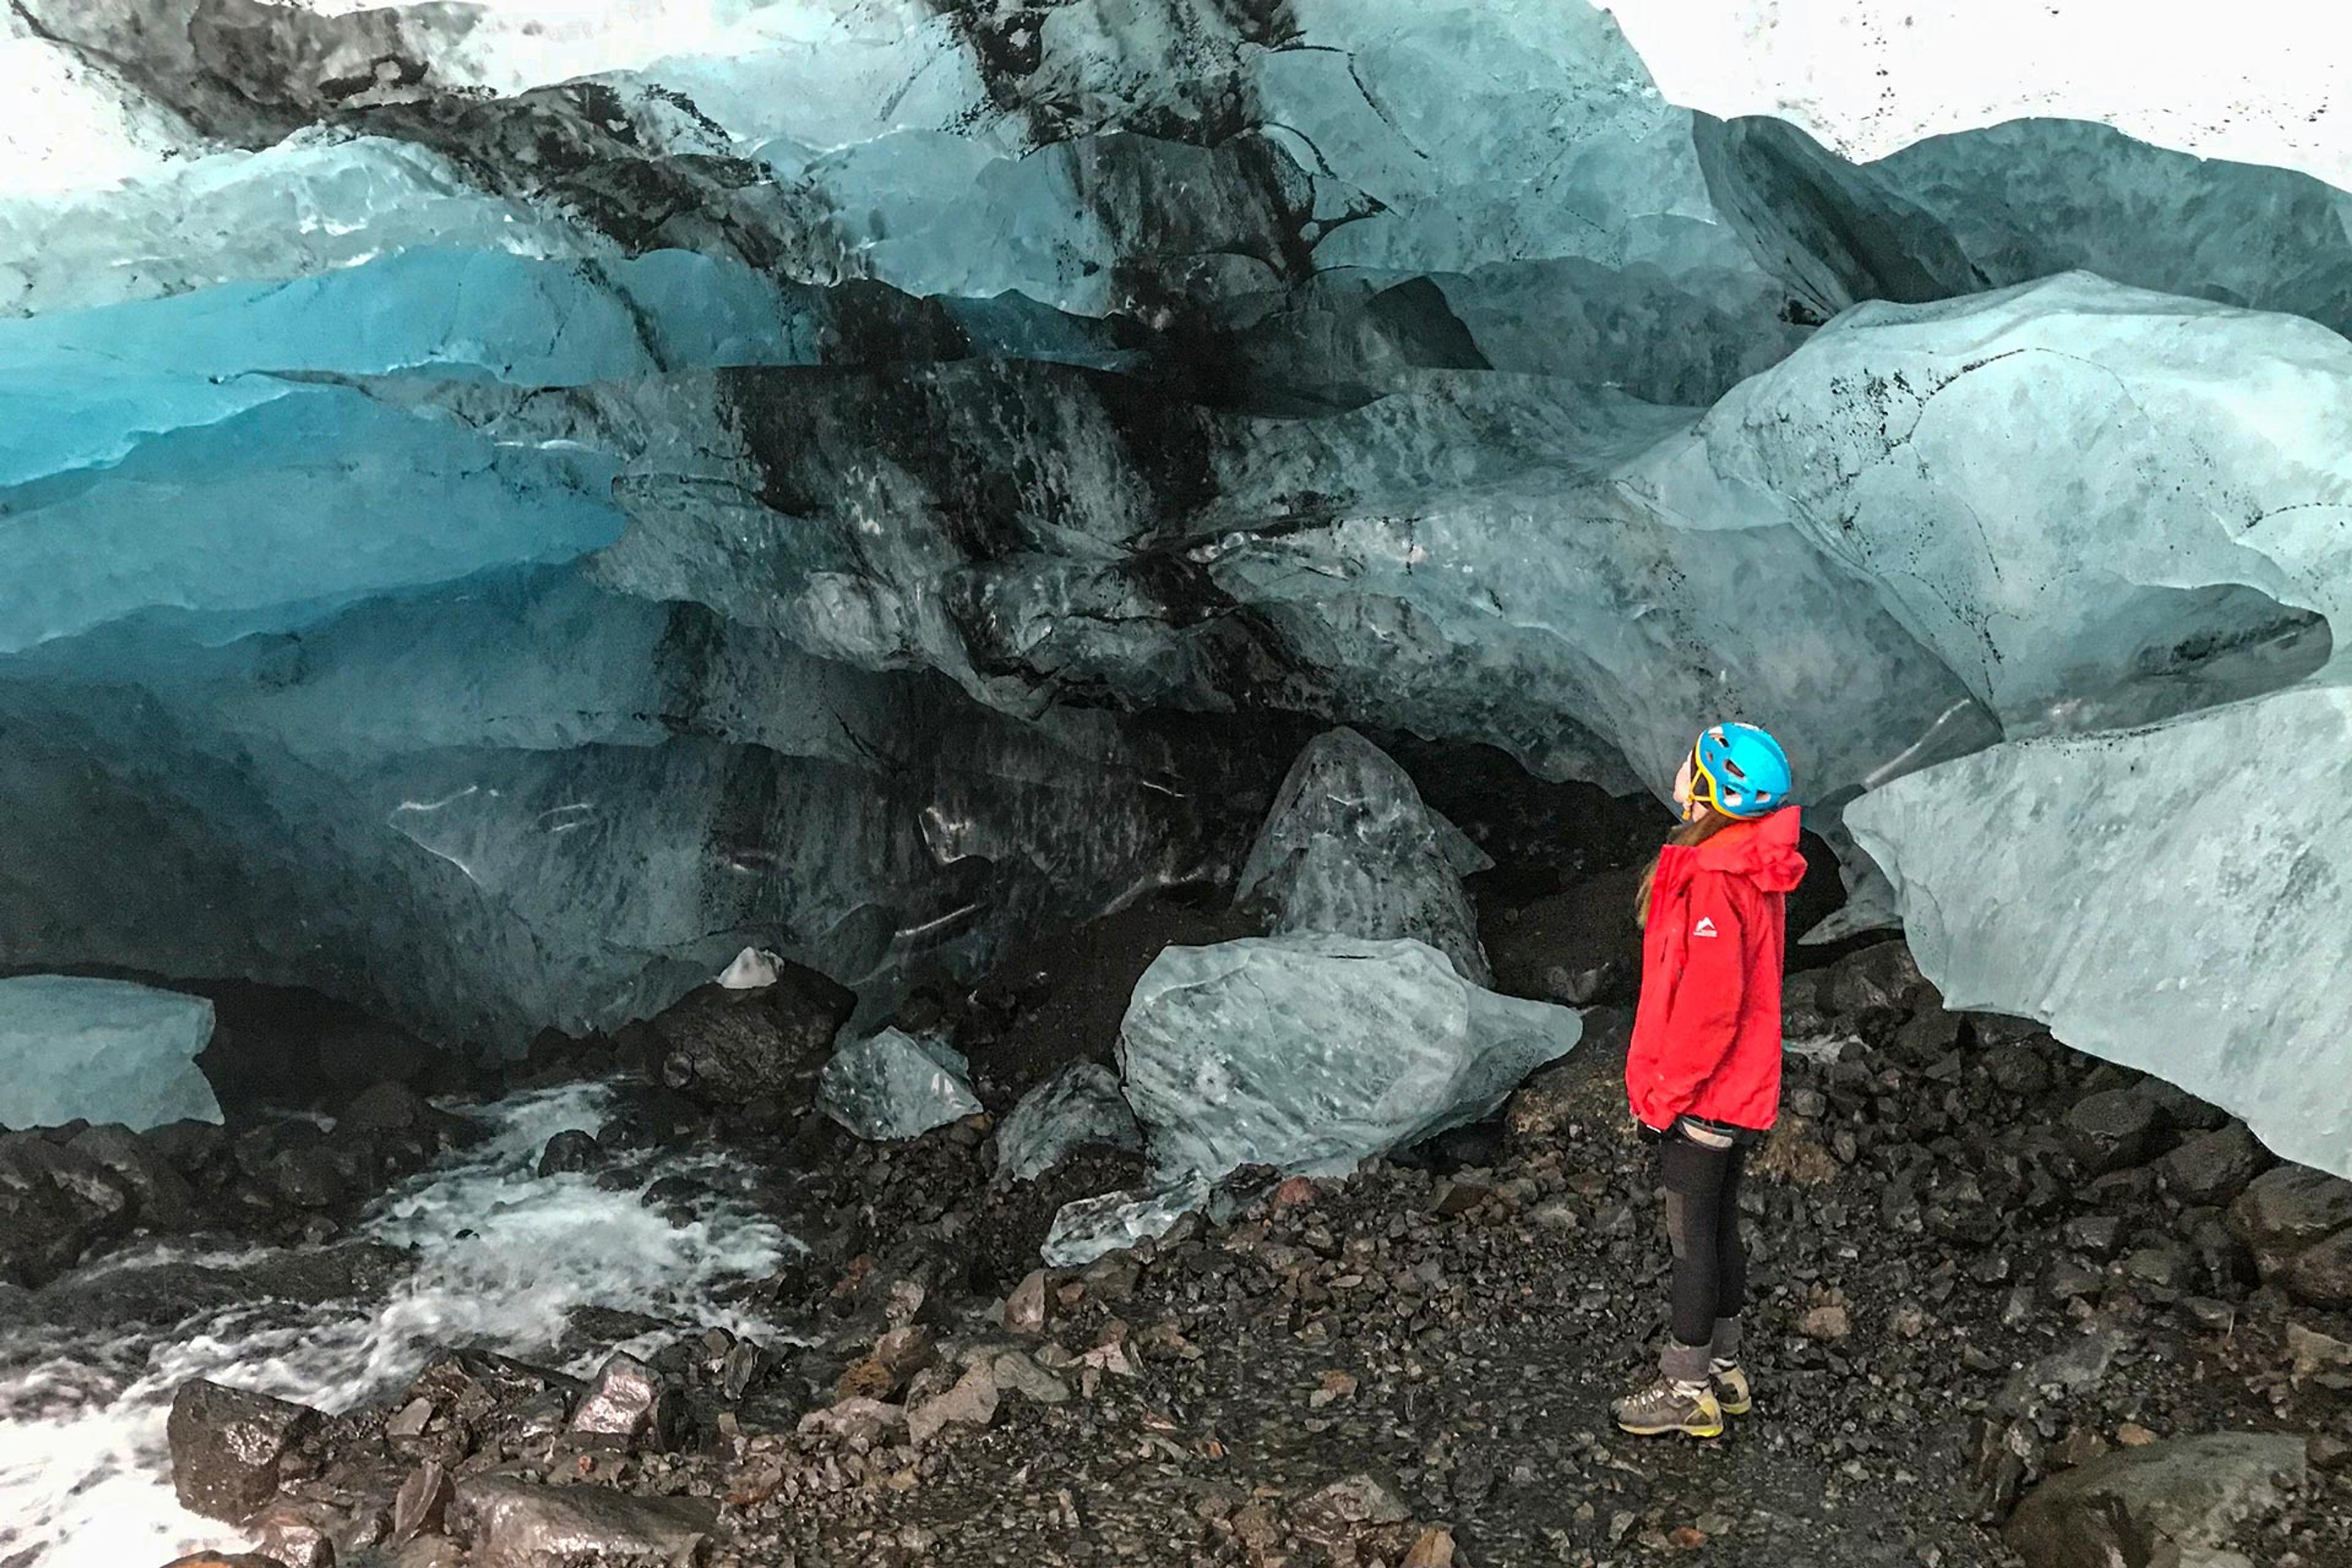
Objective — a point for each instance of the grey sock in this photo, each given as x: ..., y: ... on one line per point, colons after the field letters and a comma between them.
x: 1682, y: 1364
x: 1725, y: 1344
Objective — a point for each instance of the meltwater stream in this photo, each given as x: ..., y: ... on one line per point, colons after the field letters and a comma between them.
x: 502, y: 1257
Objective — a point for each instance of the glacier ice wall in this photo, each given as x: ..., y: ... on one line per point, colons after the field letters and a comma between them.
x: 524, y: 799
x: 496, y: 517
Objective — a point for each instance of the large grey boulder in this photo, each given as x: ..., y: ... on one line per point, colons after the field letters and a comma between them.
x: 229, y: 1447
x: 2287, y: 1210
x: 724, y: 1045
x: 2127, y: 1508
x: 513, y: 1523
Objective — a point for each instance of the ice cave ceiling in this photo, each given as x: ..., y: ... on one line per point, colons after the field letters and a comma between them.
x: 489, y: 541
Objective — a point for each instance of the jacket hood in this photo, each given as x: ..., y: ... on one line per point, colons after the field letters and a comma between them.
x: 1765, y: 851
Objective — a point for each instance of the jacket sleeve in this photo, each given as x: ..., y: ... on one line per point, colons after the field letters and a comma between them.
x: 1703, y: 1013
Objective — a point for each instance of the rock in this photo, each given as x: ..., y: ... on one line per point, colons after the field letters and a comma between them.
x: 1025, y: 1307
x: 422, y: 1505
x: 228, y: 1444
x: 2187, y: 1493
x: 225, y: 1560
x: 1293, y: 1191
x: 2321, y: 1276
x: 429, y: 1551
x: 311, y: 1177
x: 2328, y: 1452
x: 2180, y: 1108
x: 1831, y: 1322
x: 2112, y: 1129
x: 2095, y: 1234
x: 189, y: 1147
x: 2018, y: 1070
x: 2312, y: 1352
x: 854, y: 1420
x: 165, y: 1200
x: 2212, y: 1315
x: 1017, y: 1373
x: 2213, y: 1167
x: 288, y: 1535
x: 1927, y: 1039
x: 571, y: 1150
x: 1792, y: 1153
x: 2078, y: 1363
x: 1433, y: 1549
x: 970, y: 1403
x: 1455, y: 1198
x: 1882, y: 976
x: 907, y: 1350
x: 2288, y: 1208
x: 513, y: 1523
x: 726, y: 1047
x: 1334, y: 1386
x: 54, y: 1202
x: 498, y: 1399
x: 388, y: 1107
x: 623, y: 1403
x: 866, y: 1378
x: 2168, y: 1266
x: 1341, y: 1509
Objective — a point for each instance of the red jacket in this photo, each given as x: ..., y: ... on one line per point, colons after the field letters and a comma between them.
x: 1706, y: 1033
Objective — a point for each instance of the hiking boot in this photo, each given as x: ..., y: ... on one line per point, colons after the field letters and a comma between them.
x: 1729, y: 1381
x: 1667, y: 1405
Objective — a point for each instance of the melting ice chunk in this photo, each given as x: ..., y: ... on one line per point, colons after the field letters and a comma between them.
x: 896, y: 1085
x: 106, y: 1050
x: 1085, y: 1230
x: 1077, y: 1106
x: 1350, y: 848
x: 754, y: 969
x: 1311, y: 1052
x: 2169, y: 898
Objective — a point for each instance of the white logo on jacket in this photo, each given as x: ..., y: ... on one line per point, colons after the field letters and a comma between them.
x: 1706, y: 926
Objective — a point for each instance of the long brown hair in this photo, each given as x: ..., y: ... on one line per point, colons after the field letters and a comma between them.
x: 1709, y: 822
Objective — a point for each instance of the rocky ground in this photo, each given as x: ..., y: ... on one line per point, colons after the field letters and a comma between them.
x: 1987, y: 1270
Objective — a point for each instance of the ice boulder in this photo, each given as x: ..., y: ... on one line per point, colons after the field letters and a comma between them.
x: 102, y: 1050
x: 896, y: 1085
x: 1350, y: 848
x: 1311, y: 1052
x: 1077, y: 1106
x: 2169, y: 898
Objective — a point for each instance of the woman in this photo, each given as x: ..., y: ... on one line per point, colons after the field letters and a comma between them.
x: 1703, y: 1071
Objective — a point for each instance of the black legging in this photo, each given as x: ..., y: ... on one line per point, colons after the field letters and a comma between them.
x: 1703, y: 1227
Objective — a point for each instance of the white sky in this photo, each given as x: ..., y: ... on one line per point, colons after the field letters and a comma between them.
x: 2265, y: 81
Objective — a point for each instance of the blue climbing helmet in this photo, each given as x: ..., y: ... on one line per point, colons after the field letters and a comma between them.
x: 1740, y: 771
